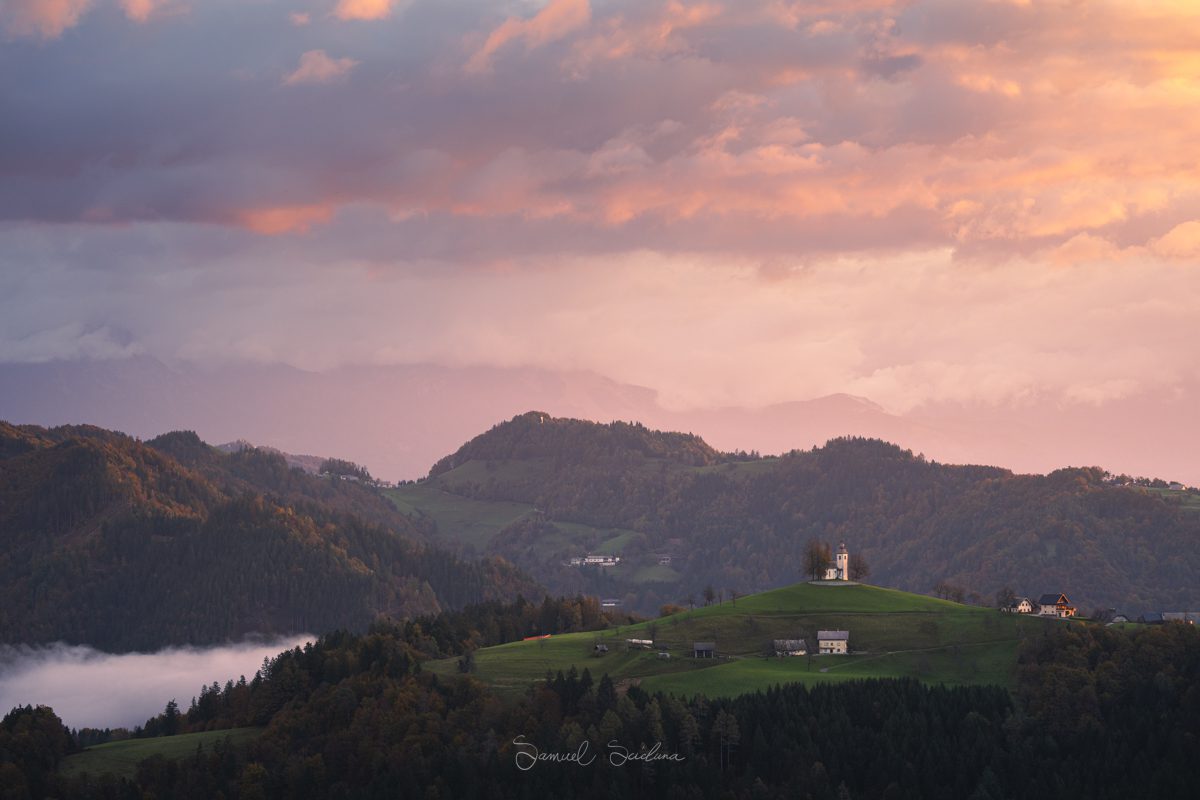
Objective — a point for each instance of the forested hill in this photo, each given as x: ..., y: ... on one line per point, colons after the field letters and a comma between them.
x: 740, y: 523
x: 538, y: 435
x: 122, y: 545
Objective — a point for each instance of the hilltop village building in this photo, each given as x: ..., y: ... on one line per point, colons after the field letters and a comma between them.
x: 1048, y: 605
x: 840, y: 571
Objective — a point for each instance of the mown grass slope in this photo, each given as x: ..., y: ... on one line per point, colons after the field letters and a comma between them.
x: 121, y: 758
x: 892, y: 633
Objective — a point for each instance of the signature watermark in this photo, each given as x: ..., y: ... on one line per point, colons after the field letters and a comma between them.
x: 527, y: 755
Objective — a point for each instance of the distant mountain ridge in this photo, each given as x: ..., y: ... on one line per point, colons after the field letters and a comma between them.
x: 398, y: 420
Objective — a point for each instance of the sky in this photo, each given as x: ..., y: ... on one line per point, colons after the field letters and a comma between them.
x: 733, y: 203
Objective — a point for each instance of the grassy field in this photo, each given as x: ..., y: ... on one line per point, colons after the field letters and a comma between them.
x: 459, y: 519
x: 463, y: 520
x: 891, y: 633
x: 122, y: 758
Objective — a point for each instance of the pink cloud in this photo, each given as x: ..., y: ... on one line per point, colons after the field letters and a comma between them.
x: 763, y: 127
x: 318, y: 68
x: 142, y: 10
x: 44, y: 19
x: 363, y: 9
x: 556, y: 20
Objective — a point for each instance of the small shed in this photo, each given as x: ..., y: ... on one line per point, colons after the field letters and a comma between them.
x: 833, y: 642
x: 704, y: 649
x: 790, y: 647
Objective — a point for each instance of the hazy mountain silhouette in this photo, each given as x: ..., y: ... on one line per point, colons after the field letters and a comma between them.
x: 399, y: 420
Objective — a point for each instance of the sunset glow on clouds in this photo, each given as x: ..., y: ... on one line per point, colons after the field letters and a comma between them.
x: 731, y: 202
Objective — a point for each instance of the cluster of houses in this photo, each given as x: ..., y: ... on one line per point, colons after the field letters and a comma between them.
x: 1048, y: 605
x: 593, y: 560
x: 597, y: 560
x: 828, y: 643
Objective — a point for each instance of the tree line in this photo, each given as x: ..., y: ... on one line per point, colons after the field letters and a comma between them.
x: 1099, y: 713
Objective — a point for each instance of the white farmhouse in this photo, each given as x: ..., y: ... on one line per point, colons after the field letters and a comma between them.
x: 1021, y: 605
x: 1055, y: 605
x: 833, y: 642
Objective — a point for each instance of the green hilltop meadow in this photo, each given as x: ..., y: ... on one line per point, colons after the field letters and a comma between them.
x: 892, y: 634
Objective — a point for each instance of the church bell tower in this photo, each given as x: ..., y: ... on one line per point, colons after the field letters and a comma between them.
x: 843, y: 563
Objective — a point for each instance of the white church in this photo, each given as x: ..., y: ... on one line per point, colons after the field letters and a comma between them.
x: 841, y: 569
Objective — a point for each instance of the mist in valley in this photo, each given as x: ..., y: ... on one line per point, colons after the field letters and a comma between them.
x: 94, y: 689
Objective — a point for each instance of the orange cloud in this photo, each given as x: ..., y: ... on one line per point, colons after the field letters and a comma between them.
x: 284, y: 219
x: 44, y: 19
x: 1182, y: 241
x: 556, y: 20
x: 363, y: 9
x: 318, y: 68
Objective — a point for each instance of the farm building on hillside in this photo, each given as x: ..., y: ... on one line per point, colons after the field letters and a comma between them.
x: 790, y: 647
x: 833, y: 642
x: 1019, y: 605
x: 1055, y: 605
x: 704, y: 650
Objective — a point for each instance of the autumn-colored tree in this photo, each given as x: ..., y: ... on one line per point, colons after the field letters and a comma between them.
x: 817, y: 559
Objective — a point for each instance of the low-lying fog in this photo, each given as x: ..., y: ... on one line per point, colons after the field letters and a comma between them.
x: 89, y: 688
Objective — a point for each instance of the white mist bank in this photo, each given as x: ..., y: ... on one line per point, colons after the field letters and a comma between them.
x: 94, y: 689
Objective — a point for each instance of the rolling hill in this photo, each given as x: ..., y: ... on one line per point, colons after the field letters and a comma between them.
x: 125, y: 545
x: 538, y: 490
x: 892, y: 634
